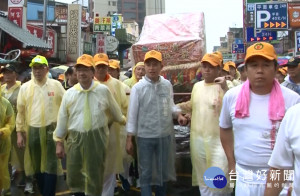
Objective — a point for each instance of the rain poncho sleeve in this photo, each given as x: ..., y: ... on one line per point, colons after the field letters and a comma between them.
x: 186, y: 107
x: 206, y: 147
x: 7, y: 124
x: 7, y: 118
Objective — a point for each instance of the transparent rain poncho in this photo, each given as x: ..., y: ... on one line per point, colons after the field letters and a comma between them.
x: 206, y: 147
x: 17, y: 154
x: 114, y: 155
x: 83, y: 121
x: 38, y: 106
x: 150, y: 119
x: 7, y: 124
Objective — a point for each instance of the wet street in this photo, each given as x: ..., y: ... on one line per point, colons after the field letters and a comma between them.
x: 182, y: 187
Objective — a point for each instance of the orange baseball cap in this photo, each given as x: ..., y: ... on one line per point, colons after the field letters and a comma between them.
x: 226, y: 67
x: 212, y: 59
x: 114, y: 64
x: 86, y: 60
x: 262, y: 49
x: 283, y: 71
x: 101, y: 58
x: 230, y: 63
x: 219, y: 54
x: 154, y: 55
x: 61, y: 77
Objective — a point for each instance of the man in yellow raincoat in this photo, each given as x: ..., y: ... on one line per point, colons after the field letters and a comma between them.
x: 205, y: 105
x: 10, y: 91
x: 114, y: 158
x: 114, y: 71
x: 7, y: 124
x: 138, y: 71
x: 84, y: 115
x: 38, y: 103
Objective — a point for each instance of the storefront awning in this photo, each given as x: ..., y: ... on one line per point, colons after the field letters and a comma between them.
x: 21, y: 34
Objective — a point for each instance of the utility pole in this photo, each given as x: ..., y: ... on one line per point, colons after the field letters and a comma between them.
x: 45, y: 19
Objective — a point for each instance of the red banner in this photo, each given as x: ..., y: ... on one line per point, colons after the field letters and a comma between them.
x: 38, y: 32
x: 15, y: 14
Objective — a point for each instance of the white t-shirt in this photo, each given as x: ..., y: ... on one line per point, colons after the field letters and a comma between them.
x: 252, y: 135
x: 286, y: 153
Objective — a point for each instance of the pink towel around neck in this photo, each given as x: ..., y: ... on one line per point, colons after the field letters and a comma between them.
x: 276, y: 103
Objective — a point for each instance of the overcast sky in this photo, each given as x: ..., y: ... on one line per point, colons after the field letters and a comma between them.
x: 219, y: 15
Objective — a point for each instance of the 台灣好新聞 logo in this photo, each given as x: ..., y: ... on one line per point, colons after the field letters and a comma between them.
x: 214, y: 177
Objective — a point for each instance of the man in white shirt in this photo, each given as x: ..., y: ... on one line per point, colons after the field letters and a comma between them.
x: 285, y: 158
x: 83, y: 118
x: 250, y: 118
x: 150, y: 119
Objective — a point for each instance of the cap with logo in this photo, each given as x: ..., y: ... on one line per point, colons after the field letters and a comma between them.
x: 101, y: 59
x: 212, y: 59
x: 85, y: 60
x: 153, y: 54
x: 9, y: 67
x: 115, y: 64
x: 262, y: 49
x: 38, y: 60
x: 293, y: 62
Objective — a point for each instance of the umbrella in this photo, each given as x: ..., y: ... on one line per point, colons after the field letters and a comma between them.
x: 56, y: 71
x: 282, y: 60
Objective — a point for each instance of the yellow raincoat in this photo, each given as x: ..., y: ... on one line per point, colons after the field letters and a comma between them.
x: 38, y: 105
x: 17, y: 154
x: 86, y: 142
x: 206, y: 147
x: 7, y: 124
x: 131, y: 81
x: 114, y: 155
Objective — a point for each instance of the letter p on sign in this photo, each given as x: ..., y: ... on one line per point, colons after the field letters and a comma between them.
x: 261, y: 17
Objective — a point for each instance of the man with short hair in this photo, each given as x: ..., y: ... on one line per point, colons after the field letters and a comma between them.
x: 292, y: 81
x: 38, y: 103
x: 250, y: 118
x: 84, y: 116
x: 114, y: 159
x: 150, y: 119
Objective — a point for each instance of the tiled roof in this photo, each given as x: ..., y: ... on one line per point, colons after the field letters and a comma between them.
x: 21, y: 34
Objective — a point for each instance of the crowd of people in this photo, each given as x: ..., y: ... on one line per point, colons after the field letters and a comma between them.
x: 243, y: 119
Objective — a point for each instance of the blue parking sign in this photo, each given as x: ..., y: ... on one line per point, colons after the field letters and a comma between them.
x: 271, y: 15
x: 238, y: 48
